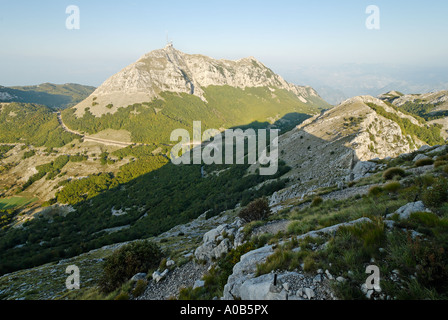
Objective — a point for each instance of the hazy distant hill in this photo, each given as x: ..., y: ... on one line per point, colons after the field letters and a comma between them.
x: 58, y: 96
x: 433, y: 105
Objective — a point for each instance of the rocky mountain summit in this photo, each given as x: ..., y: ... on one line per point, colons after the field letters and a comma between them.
x: 170, y: 70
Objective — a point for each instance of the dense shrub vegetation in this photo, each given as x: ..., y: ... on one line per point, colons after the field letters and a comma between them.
x: 430, y: 134
x: 139, y: 152
x: 6, y: 217
x: 152, y: 122
x: 33, y: 124
x: 436, y: 194
x: 83, y: 189
x: 391, y: 173
x: 316, y: 201
x: 424, y: 162
x: 154, y: 202
x: 256, y: 210
x: 4, y: 149
x: 422, y: 110
x: 133, y: 258
x: 50, y: 170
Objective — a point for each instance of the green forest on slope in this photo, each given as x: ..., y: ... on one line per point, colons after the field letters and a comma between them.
x: 153, y: 122
x: 424, y: 110
x: 154, y: 194
x: 429, y: 134
x: 32, y: 124
x: 153, y: 202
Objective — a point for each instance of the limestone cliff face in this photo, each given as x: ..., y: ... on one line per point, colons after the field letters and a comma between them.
x: 171, y: 70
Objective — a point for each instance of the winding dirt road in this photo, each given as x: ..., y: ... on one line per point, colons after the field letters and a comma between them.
x: 94, y: 139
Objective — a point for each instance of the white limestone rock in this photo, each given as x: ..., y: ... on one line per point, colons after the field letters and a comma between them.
x: 405, y: 211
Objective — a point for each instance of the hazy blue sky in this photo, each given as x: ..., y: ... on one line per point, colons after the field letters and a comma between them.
x: 37, y: 47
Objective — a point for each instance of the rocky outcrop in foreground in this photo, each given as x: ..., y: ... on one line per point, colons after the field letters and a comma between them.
x: 244, y: 284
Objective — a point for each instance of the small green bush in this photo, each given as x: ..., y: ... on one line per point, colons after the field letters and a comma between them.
x: 317, y: 201
x: 28, y: 154
x: 162, y: 265
x: 442, y: 158
x: 375, y: 191
x: 140, y: 287
x: 133, y: 258
x: 437, y: 194
x: 262, y: 239
x: 431, y: 264
x: 440, y: 163
x: 445, y: 169
x: 391, y: 173
x: 122, y: 296
x: 256, y: 210
x: 425, y: 180
x: 424, y: 162
x: 392, y: 187
x: 309, y: 263
x: 425, y: 218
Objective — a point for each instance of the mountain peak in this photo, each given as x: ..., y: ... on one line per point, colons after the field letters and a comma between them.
x: 171, y: 70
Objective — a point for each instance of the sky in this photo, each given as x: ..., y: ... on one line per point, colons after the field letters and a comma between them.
x: 293, y: 38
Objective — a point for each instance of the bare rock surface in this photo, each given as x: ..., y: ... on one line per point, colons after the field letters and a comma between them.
x: 181, y: 277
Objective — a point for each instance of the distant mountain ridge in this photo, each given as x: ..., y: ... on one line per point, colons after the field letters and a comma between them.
x: 56, y: 96
x: 427, y: 104
x: 432, y: 107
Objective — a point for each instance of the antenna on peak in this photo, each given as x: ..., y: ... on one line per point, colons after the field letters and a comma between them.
x: 168, y: 42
